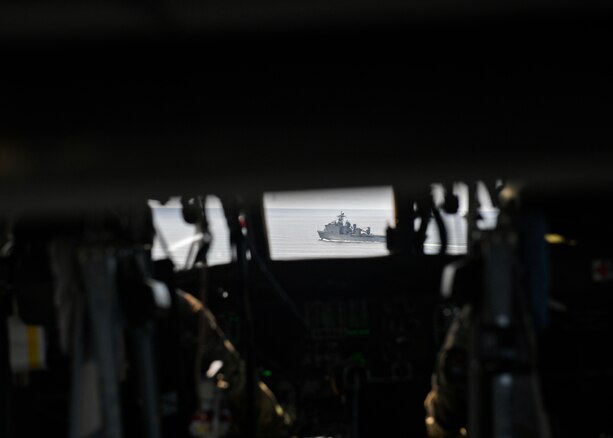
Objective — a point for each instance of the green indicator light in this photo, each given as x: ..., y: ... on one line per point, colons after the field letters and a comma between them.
x: 358, y: 332
x: 359, y: 358
x: 266, y: 373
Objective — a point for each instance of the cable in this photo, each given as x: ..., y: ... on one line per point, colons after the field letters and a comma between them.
x: 163, y: 243
x: 355, y: 417
x: 424, y: 216
x: 442, y: 231
x: 276, y: 286
x: 190, y: 251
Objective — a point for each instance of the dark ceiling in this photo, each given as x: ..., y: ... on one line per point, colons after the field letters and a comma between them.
x: 118, y: 102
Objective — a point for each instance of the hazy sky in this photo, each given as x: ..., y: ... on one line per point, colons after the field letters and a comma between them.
x: 373, y: 198
x: 368, y: 198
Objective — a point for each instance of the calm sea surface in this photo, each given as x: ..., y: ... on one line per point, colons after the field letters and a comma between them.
x: 292, y: 234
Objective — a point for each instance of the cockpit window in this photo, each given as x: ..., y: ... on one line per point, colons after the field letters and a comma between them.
x: 175, y: 237
x: 329, y: 223
x: 456, y: 224
x: 353, y: 222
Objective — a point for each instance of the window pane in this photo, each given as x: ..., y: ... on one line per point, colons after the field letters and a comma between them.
x: 456, y: 224
x: 179, y: 236
x: 294, y: 219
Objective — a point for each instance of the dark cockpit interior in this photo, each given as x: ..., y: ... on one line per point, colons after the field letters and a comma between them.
x: 114, y: 115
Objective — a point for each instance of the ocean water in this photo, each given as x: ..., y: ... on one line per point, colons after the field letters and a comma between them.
x: 292, y: 233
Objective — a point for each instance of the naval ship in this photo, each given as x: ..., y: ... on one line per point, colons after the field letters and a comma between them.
x: 339, y: 232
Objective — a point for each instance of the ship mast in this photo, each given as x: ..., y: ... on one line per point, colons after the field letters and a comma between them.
x: 340, y: 218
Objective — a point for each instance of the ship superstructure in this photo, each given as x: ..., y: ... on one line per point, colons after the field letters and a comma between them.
x: 341, y: 230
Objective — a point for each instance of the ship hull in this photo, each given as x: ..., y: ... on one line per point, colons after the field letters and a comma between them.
x: 335, y: 237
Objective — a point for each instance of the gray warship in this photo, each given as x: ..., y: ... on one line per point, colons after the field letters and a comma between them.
x: 338, y: 231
